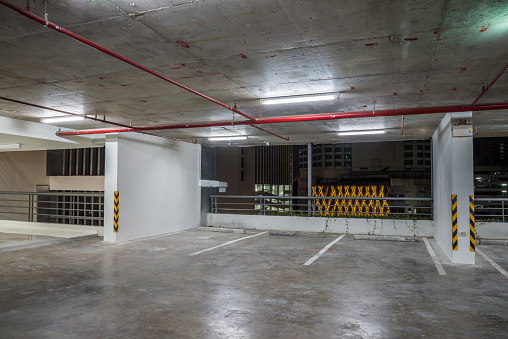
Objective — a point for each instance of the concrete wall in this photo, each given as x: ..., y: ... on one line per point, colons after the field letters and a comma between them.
x: 22, y: 171
x: 331, y: 225
x: 77, y: 183
x: 491, y: 230
x: 158, y: 183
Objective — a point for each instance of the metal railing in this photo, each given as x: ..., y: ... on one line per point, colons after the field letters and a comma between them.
x: 367, y: 207
x: 54, y: 207
x: 491, y: 209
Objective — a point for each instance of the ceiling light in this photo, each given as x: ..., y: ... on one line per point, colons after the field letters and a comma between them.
x: 378, y: 131
x: 10, y: 146
x: 299, y: 98
x: 62, y: 119
x: 227, y: 138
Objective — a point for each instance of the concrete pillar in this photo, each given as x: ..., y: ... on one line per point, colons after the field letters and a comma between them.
x: 110, y: 185
x: 452, y: 173
x: 309, y: 176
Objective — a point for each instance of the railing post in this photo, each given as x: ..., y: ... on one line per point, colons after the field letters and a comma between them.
x: 502, y: 205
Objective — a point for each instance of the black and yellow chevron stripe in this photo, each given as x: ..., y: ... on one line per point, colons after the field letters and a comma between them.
x: 117, y: 201
x: 455, y: 242
x: 471, y: 224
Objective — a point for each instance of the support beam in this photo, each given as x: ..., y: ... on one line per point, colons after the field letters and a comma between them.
x: 304, y: 118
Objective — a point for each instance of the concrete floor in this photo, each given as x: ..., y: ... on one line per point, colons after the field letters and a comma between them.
x: 254, y: 288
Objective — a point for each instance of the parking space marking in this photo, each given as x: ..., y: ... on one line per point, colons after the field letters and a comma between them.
x: 227, y: 243
x: 311, y: 260
x: 492, y: 262
x: 439, y: 267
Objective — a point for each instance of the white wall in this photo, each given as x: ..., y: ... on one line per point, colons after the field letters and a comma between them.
x: 407, y: 228
x: 452, y: 173
x: 77, y: 183
x: 21, y: 172
x: 158, y: 183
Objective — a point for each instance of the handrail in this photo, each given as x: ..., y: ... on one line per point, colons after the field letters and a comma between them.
x: 98, y: 195
x: 314, y: 198
x: 84, y: 208
x: 372, y: 207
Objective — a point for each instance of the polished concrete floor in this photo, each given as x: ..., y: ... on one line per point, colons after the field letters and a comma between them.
x: 257, y: 287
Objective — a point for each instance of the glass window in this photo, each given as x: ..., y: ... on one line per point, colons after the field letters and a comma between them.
x: 408, y: 147
x: 427, y: 147
x: 427, y: 162
x: 347, y: 163
x: 338, y: 163
x: 420, y: 162
x: 420, y: 155
x: 328, y: 149
x: 408, y: 155
x: 328, y: 156
x: 408, y: 162
x: 338, y: 156
x: 347, y: 148
x: 419, y: 147
x: 338, y: 149
x: 347, y: 156
x: 315, y: 164
x: 427, y: 155
x: 317, y: 150
x: 328, y: 164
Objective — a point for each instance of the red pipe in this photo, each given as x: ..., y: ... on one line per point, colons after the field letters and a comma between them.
x: 87, y: 117
x: 307, y: 117
x: 115, y: 55
x: 264, y: 130
x: 485, y: 89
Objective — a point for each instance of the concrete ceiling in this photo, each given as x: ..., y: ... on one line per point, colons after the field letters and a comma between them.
x: 377, y: 54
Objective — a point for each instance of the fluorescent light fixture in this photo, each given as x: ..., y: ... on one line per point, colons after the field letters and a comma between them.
x: 374, y: 131
x: 227, y: 138
x: 504, y: 185
x: 10, y: 146
x: 299, y: 98
x: 62, y: 119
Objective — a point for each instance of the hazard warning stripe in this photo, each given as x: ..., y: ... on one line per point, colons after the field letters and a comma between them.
x: 115, y: 220
x: 471, y: 224
x: 455, y: 243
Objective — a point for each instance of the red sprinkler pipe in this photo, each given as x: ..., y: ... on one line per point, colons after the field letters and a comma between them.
x: 307, y: 117
x: 115, y: 55
x: 87, y: 117
x: 264, y: 130
x: 485, y: 89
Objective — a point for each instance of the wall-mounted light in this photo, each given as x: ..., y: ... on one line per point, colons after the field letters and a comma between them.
x: 10, y: 146
x: 374, y: 131
x: 227, y: 138
x: 299, y: 98
x: 54, y: 120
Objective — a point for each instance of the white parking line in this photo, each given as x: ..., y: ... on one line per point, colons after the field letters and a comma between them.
x: 311, y: 260
x: 496, y: 266
x: 227, y: 243
x: 439, y: 267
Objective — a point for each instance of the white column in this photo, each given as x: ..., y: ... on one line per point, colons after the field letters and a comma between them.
x: 110, y: 185
x: 452, y: 173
